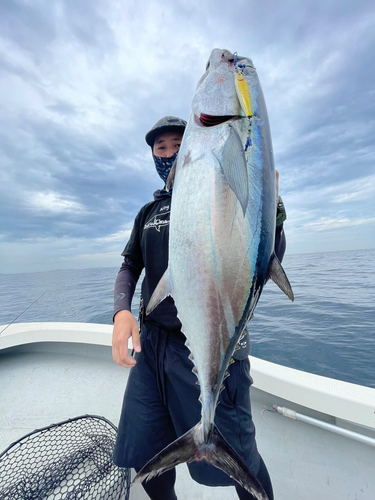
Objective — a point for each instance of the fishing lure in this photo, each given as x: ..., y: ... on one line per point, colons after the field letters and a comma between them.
x: 243, y: 94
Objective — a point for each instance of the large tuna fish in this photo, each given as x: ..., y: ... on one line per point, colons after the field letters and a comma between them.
x: 221, y: 245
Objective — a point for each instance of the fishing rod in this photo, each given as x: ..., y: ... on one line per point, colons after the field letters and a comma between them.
x: 15, y: 319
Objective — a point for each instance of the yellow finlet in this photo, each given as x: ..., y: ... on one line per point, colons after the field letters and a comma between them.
x: 243, y: 94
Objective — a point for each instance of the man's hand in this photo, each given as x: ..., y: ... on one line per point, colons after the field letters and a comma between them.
x: 125, y: 327
x: 277, y: 185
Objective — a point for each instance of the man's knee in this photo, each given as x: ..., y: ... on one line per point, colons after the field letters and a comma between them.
x: 161, y: 487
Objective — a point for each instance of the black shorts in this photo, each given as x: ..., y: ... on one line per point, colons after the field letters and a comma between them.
x: 161, y: 404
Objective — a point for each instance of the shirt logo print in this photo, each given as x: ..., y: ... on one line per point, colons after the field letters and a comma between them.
x: 157, y: 221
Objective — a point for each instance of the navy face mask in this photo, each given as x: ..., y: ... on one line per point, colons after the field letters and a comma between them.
x: 164, y: 165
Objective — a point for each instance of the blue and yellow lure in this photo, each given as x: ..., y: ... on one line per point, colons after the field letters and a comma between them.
x: 243, y: 95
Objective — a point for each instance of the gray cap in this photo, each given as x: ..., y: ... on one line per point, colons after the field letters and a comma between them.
x: 166, y: 124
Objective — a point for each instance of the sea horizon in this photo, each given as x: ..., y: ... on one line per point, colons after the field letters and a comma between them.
x: 328, y: 330
x: 288, y: 254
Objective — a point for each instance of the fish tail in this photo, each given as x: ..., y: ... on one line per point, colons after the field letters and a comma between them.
x: 215, y: 450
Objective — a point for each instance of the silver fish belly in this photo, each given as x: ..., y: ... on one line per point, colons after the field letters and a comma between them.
x: 221, y: 248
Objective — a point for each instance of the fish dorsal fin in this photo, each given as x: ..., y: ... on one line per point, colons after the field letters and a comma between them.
x: 278, y: 276
x: 233, y: 164
x: 171, y: 176
x: 161, y: 291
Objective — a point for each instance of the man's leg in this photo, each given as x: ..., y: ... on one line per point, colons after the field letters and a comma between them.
x: 145, y: 426
x: 161, y: 487
x: 264, y: 479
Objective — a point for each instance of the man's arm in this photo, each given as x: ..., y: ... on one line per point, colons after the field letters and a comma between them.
x: 125, y: 284
x: 280, y: 240
x: 125, y: 325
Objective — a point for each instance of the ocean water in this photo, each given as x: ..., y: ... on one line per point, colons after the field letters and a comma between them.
x: 329, y: 329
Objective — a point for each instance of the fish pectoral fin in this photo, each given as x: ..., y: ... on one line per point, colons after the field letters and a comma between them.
x: 161, y: 291
x: 171, y: 176
x: 233, y: 165
x: 278, y: 276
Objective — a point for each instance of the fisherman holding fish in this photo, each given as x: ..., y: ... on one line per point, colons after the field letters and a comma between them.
x: 162, y: 400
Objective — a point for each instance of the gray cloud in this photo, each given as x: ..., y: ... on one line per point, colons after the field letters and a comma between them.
x: 82, y: 82
x: 29, y: 26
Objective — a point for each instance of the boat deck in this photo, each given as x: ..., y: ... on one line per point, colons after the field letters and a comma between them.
x: 53, y: 372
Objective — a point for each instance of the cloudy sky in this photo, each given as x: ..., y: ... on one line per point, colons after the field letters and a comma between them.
x: 82, y: 81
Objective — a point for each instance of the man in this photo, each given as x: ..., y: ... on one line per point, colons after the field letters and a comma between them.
x: 161, y: 398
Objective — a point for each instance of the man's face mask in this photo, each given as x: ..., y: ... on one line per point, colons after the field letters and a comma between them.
x: 164, y: 165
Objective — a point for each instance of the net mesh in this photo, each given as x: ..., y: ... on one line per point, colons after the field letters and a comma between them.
x: 69, y: 460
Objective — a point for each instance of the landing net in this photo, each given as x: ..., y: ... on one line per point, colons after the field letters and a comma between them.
x: 67, y: 461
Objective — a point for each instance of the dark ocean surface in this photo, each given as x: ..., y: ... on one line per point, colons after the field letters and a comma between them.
x: 329, y: 329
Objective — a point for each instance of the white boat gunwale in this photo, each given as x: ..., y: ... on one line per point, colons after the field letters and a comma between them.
x: 341, y: 400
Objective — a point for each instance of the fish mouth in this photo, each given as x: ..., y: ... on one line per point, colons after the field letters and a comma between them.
x: 210, y: 120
